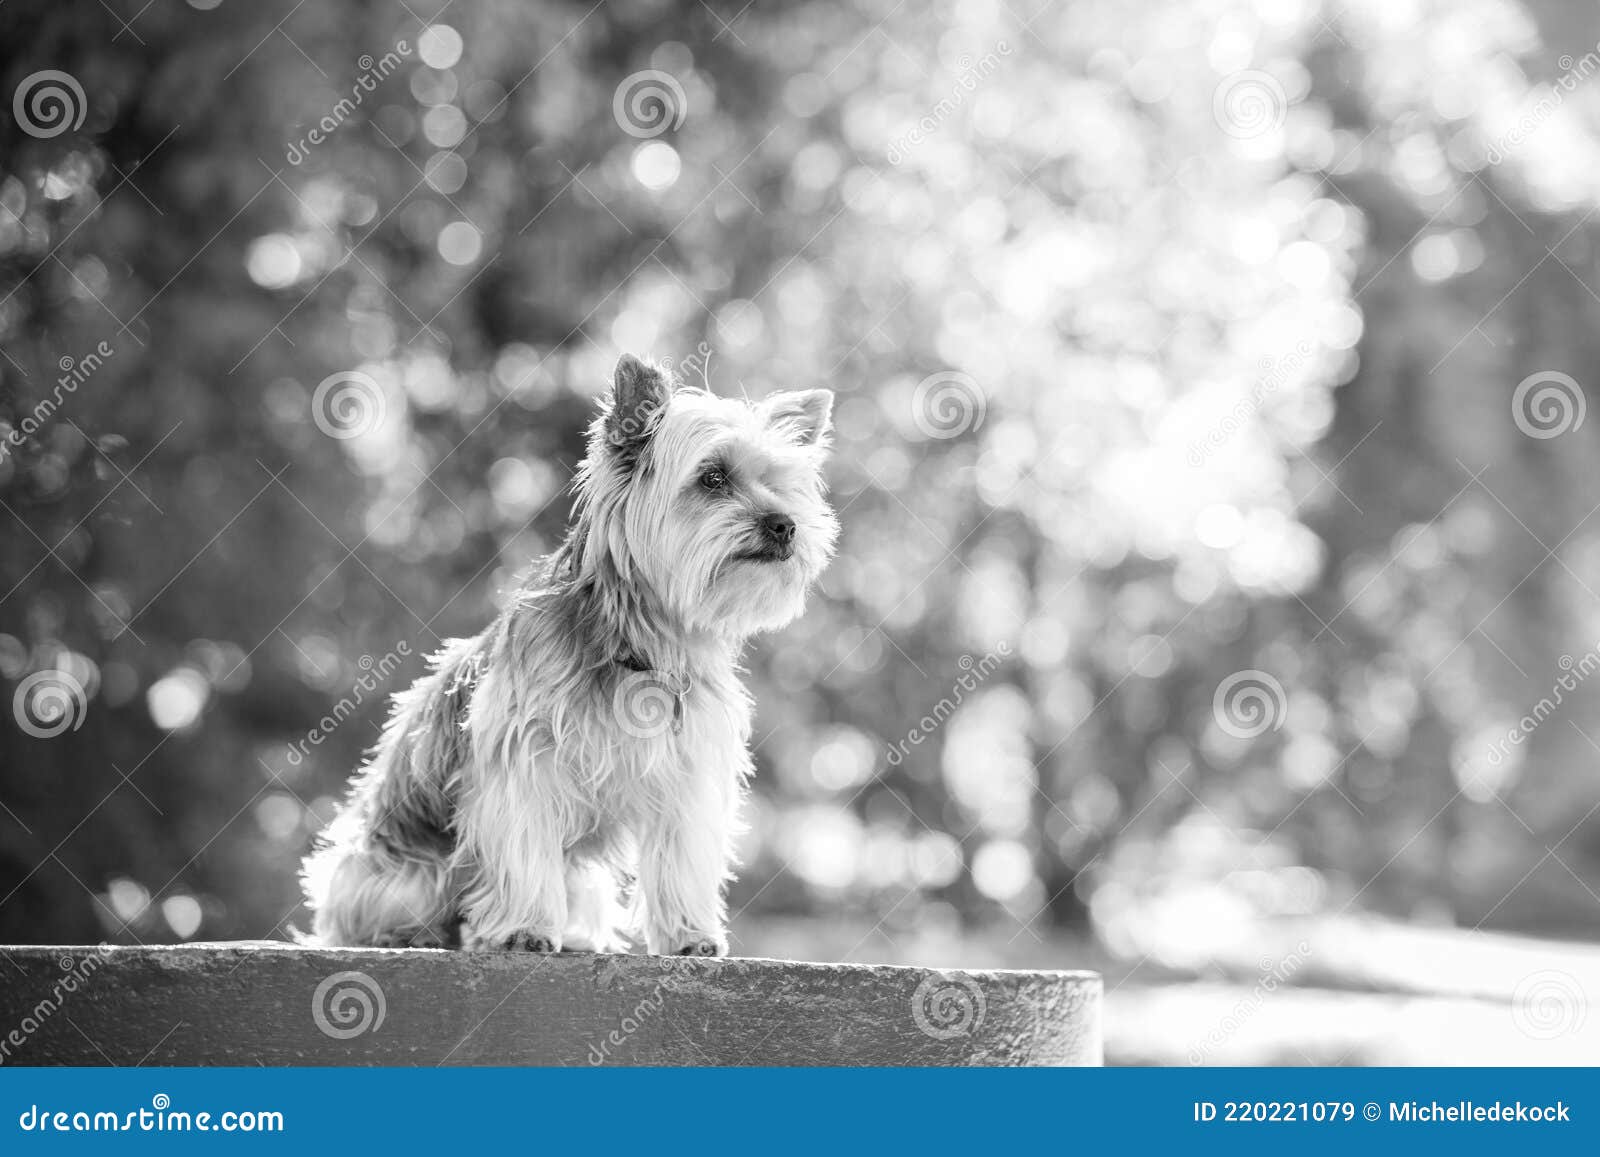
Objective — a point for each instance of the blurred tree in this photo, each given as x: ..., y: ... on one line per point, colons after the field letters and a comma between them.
x: 1171, y: 345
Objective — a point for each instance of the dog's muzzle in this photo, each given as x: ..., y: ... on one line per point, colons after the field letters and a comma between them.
x: 777, y: 540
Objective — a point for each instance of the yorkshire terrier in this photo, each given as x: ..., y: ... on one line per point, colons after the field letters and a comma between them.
x: 597, y: 732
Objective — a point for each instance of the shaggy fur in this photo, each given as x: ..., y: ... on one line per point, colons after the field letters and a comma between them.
x: 597, y: 730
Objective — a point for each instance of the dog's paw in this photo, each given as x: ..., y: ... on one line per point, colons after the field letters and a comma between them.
x: 543, y: 943
x: 410, y: 938
x: 703, y: 946
x: 537, y: 942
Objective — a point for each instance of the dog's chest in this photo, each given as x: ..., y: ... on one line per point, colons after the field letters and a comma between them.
x: 649, y: 738
x: 697, y: 720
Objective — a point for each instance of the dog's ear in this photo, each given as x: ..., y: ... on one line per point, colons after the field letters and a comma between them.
x: 806, y: 414
x: 638, y: 395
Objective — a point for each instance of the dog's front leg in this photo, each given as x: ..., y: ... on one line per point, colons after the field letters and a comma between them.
x: 516, y: 894
x: 685, y: 856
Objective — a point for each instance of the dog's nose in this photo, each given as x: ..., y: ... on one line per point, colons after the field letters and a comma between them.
x: 779, y: 527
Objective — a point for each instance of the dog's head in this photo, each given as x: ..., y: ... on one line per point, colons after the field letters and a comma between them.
x: 717, y: 504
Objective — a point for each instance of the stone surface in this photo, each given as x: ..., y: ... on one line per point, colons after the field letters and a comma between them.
x: 278, y: 1004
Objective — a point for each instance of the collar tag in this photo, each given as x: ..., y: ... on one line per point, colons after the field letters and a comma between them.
x: 679, y: 694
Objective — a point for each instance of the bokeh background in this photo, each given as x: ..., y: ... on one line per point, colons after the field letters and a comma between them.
x: 1213, y: 608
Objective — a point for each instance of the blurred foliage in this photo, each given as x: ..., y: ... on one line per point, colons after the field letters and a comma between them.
x: 1246, y: 403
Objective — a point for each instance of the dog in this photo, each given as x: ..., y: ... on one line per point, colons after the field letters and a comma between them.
x: 596, y: 735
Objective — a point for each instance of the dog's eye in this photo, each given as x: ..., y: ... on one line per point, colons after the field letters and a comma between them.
x: 714, y: 478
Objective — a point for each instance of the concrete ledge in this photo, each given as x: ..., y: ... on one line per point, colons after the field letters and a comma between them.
x: 277, y: 1004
